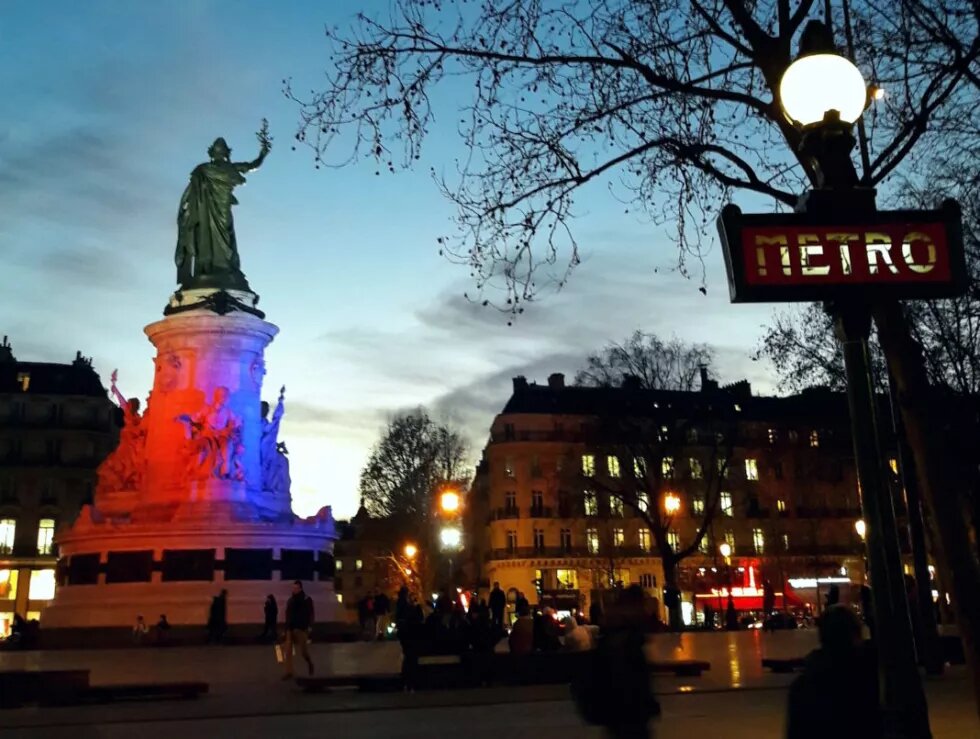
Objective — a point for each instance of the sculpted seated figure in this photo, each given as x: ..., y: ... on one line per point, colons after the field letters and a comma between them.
x: 215, y: 440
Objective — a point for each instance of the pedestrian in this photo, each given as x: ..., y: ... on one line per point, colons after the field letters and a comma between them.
x: 839, y: 680
x: 218, y: 618
x: 497, y: 603
x: 521, y: 640
x: 833, y: 596
x: 522, y: 603
x: 139, y: 630
x: 709, y: 616
x: 370, y: 620
x: 382, y: 607
x: 299, y: 622
x: 271, y: 613
x: 162, y: 630
x: 768, y: 606
x: 731, y: 615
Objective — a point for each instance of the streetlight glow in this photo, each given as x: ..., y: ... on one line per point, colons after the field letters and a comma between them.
x: 449, y: 501
x: 451, y: 537
x: 672, y: 503
x: 411, y: 550
x: 817, y: 83
x: 725, y: 549
x: 861, y: 527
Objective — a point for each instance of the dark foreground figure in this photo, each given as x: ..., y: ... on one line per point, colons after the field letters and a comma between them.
x: 837, y: 694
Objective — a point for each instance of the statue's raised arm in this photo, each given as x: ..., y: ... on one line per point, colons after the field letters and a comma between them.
x: 265, y: 146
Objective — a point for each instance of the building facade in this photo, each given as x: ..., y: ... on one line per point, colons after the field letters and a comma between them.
x: 553, y: 508
x: 56, y: 426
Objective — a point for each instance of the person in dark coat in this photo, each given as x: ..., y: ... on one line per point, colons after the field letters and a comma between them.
x: 271, y: 613
x: 497, y: 603
x: 521, y: 603
x: 731, y: 615
x: 218, y: 618
x: 299, y: 622
x: 837, y: 694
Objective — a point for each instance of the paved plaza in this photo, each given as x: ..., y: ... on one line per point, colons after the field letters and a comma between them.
x: 248, y: 699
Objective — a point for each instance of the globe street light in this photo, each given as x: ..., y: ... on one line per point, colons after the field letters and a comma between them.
x: 411, y: 550
x: 861, y: 528
x: 725, y: 549
x: 672, y: 503
x: 449, y: 501
x: 451, y: 538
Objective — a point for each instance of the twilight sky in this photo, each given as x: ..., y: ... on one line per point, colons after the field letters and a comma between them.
x: 107, y: 108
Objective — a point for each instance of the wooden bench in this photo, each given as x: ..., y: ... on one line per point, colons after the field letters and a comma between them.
x: 681, y: 667
x: 783, y: 666
x: 145, y: 691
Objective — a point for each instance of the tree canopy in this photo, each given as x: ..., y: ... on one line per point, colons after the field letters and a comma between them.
x: 656, y: 363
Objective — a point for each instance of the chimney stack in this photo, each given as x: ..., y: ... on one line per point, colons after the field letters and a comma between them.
x: 520, y: 384
x: 556, y: 381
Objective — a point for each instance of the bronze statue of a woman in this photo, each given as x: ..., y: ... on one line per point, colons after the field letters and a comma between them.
x: 207, y: 251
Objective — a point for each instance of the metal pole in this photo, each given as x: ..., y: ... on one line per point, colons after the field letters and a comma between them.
x: 927, y: 638
x: 903, y: 700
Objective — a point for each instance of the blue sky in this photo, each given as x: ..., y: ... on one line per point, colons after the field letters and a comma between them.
x: 107, y: 108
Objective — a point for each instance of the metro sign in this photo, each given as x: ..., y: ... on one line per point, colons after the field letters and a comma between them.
x: 786, y: 257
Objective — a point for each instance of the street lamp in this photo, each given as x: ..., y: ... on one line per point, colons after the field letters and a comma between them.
x: 449, y: 501
x: 411, y: 550
x: 451, y: 538
x: 672, y: 503
x: 861, y: 528
x: 725, y: 549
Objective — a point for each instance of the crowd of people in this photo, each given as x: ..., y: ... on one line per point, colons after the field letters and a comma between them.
x: 24, y: 634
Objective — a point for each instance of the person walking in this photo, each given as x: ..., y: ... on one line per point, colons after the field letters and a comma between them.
x: 299, y: 621
x: 382, y: 609
x: 271, y: 613
x: 497, y: 603
x: 839, y: 679
x: 218, y: 618
x: 731, y: 615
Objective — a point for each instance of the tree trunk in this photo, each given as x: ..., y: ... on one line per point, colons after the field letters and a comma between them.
x: 941, y: 493
x: 675, y: 619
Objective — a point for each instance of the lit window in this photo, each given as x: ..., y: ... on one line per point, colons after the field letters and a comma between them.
x: 814, y: 439
x: 673, y: 540
x: 648, y: 581
x: 664, y: 433
x: 567, y: 579
x: 772, y: 436
x: 704, y: 546
x: 588, y: 465
x: 8, y: 584
x: 24, y: 380
x: 893, y: 465
x: 696, y: 471
x: 781, y: 505
x: 639, y: 467
x: 751, y: 469
x: 7, y: 528
x: 511, y: 540
x: 592, y: 540
x: 643, y: 500
x: 722, y: 465
x: 758, y: 541
x: 538, y: 539
x: 667, y: 467
x: 339, y: 564
x: 612, y: 464
x: 726, y: 504
x: 785, y: 542
x: 621, y: 576
x: 42, y: 585
x: 591, y: 505
x: 615, y: 505
x: 509, y: 467
x: 510, y: 501
x: 644, y: 539
x: 738, y: 408
x: 697, y: 505
x: 730, y: 539
x: 340, y: 597
x: 619, y: 537
x: 358, y: 565
x: 45, y: 536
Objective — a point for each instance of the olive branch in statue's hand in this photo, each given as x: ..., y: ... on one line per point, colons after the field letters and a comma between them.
x: 265, y: 140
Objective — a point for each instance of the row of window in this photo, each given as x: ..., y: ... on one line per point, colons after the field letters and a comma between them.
x: 643, y: 540
x: 590, y: 503
x: 667, y: 467
x: 358, y: 565
x: 41, y: 585
x: 45, y: 535
x: 567, y: 579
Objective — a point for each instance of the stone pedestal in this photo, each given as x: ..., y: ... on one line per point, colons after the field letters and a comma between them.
x: 193, y: 516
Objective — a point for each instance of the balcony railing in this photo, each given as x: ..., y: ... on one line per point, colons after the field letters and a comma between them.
x: 501, y: 514
x: 602, y: 553
x: 540, y: 511
x: 554, y: 435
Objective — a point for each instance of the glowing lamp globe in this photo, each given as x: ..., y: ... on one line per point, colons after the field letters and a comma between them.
x: 449, y: 501
x: 411, y: 550
x: 672, y: 503
x: 725, y: 549
x: 860, y: 527
x: 817, y: 83
x: 450, y: 538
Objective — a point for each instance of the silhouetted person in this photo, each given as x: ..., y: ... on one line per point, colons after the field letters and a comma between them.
x: 867, y: 609
x: 709, y: 616
x: 382, y: 609
x: 833, y: 596
x: 497, y: 603
x: 271, y: 613
x: 162, y: 630
x: 402, y: 605
x: 140, y: 630
x: 218, y: 618
x: 299, y: 621
x: 837, y: 694
x: 731, y: 615
x: 521, y: 602
x: 595, y: 612
x: 628, y: 693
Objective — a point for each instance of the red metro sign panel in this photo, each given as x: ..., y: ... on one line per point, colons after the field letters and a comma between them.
x: 797, y: 257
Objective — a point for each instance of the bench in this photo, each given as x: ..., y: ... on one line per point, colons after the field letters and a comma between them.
x: 145, y: 691
x: 783, y: 666
x: 47, y: 687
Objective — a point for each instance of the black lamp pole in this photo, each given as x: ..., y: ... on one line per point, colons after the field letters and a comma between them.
x: 827, y: 145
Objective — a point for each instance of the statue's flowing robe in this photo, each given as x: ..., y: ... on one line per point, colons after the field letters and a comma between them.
x: 206, y: 245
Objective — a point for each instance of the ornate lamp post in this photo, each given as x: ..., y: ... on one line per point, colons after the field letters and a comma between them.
x: 823, y: 94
